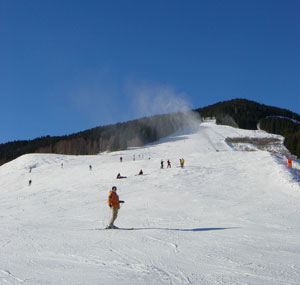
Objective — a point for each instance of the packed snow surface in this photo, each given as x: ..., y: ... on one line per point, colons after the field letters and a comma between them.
x: 227, y: 217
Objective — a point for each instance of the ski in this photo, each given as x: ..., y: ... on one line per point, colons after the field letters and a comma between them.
x: 102, y: 229
x: 122, y: 229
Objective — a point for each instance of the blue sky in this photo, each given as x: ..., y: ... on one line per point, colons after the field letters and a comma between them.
x: 67, y: 66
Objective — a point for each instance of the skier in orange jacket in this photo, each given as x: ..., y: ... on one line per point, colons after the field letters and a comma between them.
x: 114, y: 203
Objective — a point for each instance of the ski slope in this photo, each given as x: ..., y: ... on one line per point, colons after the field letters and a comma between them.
x: 227, y: 217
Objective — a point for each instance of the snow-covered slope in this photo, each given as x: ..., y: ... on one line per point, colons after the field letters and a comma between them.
x: 228, y: 217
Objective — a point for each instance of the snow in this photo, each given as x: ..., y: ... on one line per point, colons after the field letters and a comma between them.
x: 227, y: 217
x: 282, y: 117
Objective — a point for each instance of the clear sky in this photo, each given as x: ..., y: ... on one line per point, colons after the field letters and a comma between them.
x: 67, y: 66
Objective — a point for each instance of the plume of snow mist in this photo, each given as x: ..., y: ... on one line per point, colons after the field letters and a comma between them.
x: 153, y: 100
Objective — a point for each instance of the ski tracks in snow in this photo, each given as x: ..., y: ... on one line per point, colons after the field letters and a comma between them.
x: 170, y: 273
x: 173, y: 245
x: 8, y: 277
x: 152, y: 261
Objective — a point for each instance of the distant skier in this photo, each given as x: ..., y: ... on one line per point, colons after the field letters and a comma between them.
x: 121, y: 159
x: 62, y: 165
x: 181, y: 162
x: 141, y: 172
x: 161, y: 164
x: 119, y: 176
x: 29, y: 182
x: 169, y: 164
x: 90, y: 167
x: 114, y: 203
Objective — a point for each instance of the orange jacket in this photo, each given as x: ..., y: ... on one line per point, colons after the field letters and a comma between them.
x: 113, y: 199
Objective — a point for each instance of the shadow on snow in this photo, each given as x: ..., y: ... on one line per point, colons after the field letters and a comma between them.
x: 173, y: 229
x: 185, y: 230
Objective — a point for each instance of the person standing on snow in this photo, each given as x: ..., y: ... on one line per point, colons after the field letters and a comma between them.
x: 169, y: 164
x: 181, y: 162
x: 114, y: 203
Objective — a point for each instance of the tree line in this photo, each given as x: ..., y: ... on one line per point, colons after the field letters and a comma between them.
x: 112, y: 137
x: 239, y: 113
x: 289, y: 129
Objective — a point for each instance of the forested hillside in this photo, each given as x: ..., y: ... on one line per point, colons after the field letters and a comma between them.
x: 247, y: 114
x: 285, y: 127
x: 239, y: 113
x: 244, y: 113
x: 105, y: 138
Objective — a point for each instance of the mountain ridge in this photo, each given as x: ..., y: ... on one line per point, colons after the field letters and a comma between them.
x: 241, y: 113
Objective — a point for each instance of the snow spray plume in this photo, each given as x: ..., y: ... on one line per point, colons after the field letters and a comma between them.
x: 224, y: 119
x: 153, y: 101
